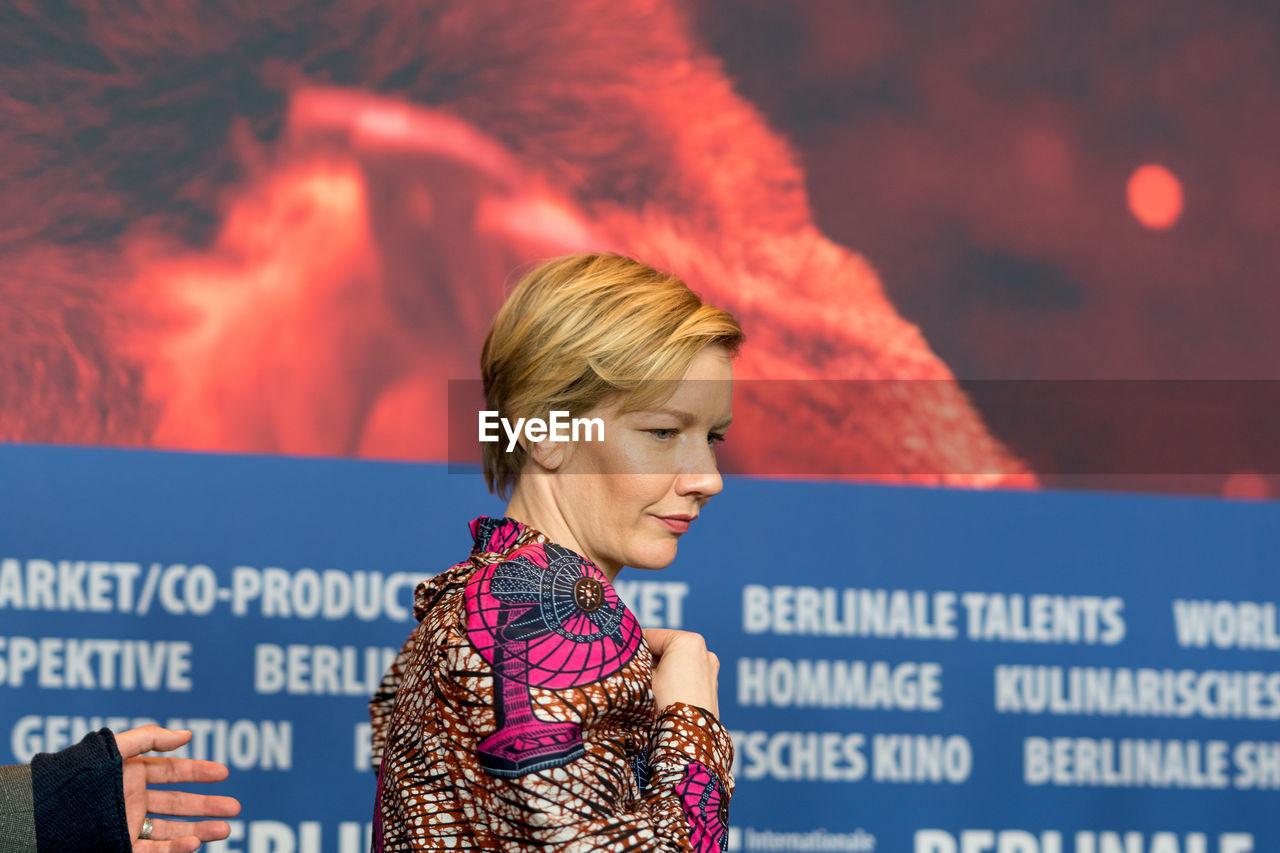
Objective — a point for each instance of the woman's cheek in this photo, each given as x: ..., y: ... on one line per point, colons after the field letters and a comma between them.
x: 638, y: 457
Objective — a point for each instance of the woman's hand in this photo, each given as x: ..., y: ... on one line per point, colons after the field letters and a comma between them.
x: 683, y: 670
x: 170, y: 836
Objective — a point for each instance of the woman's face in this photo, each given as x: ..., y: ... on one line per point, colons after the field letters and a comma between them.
x: 626, y: 500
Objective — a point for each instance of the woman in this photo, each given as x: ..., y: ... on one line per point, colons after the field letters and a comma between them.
x: 528, y: 708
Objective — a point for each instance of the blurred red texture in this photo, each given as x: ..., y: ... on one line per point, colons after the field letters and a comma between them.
x: 283, y: 228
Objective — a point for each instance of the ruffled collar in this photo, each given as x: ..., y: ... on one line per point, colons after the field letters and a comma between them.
x: 502, y: 535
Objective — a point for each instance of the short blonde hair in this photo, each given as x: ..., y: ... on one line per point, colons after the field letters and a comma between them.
x: 582, y: 329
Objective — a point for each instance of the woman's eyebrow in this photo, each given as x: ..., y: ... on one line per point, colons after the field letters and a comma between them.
x: 685, y: 418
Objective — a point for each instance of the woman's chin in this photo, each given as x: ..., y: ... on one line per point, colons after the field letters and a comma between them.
x: 654, y: 558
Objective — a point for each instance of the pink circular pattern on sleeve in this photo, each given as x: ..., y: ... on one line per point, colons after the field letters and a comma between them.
x: 556, y: 612
x: 700, y: 793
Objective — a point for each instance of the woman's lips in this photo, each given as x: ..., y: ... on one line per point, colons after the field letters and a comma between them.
x: 675, y: 523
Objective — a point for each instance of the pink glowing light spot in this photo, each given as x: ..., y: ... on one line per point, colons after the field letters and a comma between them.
x: 1155, y: 196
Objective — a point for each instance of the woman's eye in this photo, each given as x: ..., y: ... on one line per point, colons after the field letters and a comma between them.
x: 715, y: 438
x: 662, y: 434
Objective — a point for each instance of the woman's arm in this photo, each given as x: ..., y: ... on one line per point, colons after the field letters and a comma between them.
x: 690, y: 761
x: 684, y: 783
x: 691, y: 754
x: 588, y: 803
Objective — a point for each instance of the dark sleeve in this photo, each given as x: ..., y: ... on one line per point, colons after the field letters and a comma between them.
x: 17, y: 825
x: 79, y: 797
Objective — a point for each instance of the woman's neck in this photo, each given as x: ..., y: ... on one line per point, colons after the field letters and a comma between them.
x: 543, y: 514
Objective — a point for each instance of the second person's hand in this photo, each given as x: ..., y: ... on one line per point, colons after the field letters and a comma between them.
x: 141, y: 771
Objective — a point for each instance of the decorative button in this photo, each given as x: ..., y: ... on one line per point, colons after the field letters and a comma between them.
x: 588, y: 594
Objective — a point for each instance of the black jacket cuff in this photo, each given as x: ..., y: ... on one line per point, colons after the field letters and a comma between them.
x: 79, y: 797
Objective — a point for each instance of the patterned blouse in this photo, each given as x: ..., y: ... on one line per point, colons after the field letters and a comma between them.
x: 519, y: 715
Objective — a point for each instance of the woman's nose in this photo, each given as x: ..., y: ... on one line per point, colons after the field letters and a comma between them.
x: 701, y: 476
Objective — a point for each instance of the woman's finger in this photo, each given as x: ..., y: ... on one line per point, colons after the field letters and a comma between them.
x: 662, y: 640
x: 658, y: 638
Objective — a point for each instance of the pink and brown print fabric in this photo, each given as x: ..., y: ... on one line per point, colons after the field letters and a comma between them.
x: 519, y: 715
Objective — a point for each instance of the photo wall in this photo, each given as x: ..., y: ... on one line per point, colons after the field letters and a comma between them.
x: 901, y: 668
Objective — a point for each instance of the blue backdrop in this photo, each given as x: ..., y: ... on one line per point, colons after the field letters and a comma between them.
x: 902, y: 669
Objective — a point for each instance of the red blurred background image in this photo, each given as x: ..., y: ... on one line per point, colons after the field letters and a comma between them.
x: 282, y: 227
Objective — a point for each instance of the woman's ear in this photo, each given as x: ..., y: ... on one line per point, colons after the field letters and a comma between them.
x: 546, y: 454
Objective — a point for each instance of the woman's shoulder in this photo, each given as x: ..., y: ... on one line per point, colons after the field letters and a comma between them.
x: 512, y: 565
x: 434, y: 592
x: 491, y: 537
